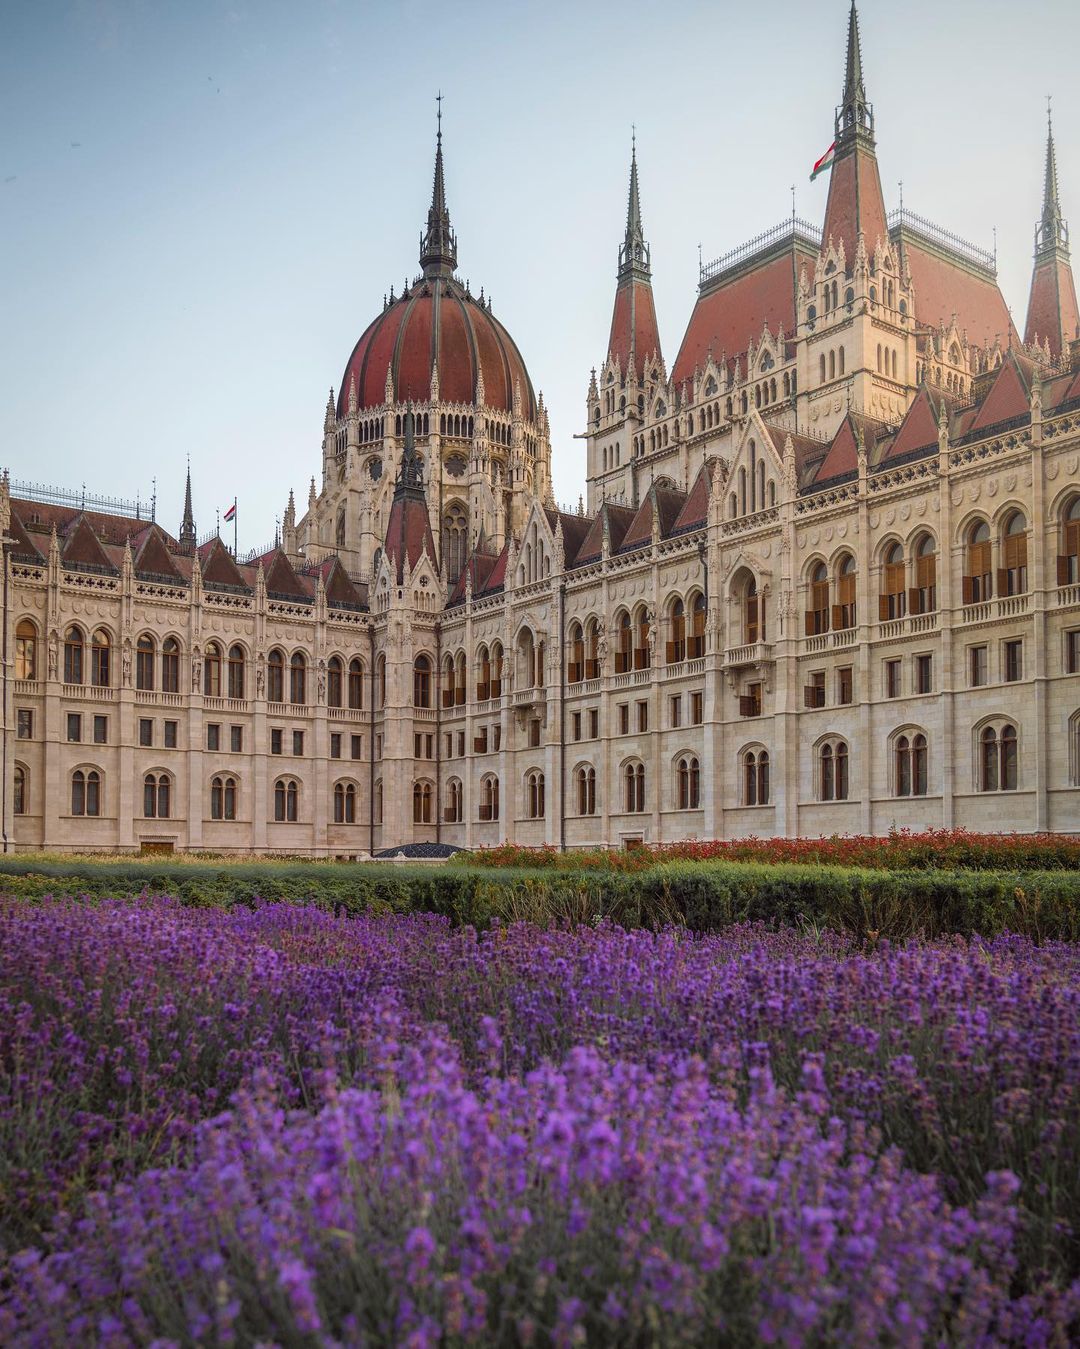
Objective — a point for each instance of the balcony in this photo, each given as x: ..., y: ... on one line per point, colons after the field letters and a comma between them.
x: 212, y: 703
x: 751, y: 653
x: 152, y: 697
x: 911, y: 626
x: 526, y: 697
x: 1068, y: 596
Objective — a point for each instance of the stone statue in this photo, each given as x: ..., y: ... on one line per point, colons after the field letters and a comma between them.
x: 54, y: 650
x: 125, y: 662
x: 322, y: 680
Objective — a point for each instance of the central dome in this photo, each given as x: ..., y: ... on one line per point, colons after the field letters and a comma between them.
x: 437, y: 324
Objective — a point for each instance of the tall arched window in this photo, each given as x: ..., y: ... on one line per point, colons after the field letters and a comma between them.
x: 833, y: 771
x: 642, y: 650
x: 460, y: 677
x: 86, y: 792
x: 843, y: 611
x: 976, y: 585
x: 455, y: 540
x: 453, y: 811
x: 157, y: 794
x: 73, y: 655
x: 298, y: 679
x: 236, y: 671
x: 25, y: 650
x: 222, y: 798
x: 753, y: 613
x: 534, y: 795
x: 212, y: 670
x: 170, y: 665
x: 575, y: 667
x: 100, y: 659
x: 817, y: 609
x: 688, y: 783
x: 998, y: 759
x: 334, y: 672
x: 586, y: 790
x: 696, y: 647
x: 378, y: 810
x: 421, y: 802
x: 756, y: 778
x: 496, y: 669
x: 1013, y: 579
x: 624, y: 653
x: 1068, y: 562
x: 676, y: 647
x: 356, y: 683
x: 483, y: 674
x: 422, y: 681
x: 634, y: 780
x: 489, y: 798
x: 18, y: 795
x: 923, y: 597
x: 275, y: 676
x: 892, y: 602
x: 910, y: 765
x: 286, y: 801
x: 344, y: 803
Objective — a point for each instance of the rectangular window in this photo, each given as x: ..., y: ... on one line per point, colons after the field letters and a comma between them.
x: 480, y: 741
x: 575, y: 725
x: 429, y: 746
x: 924, y: 673
x: 814, y: 692
x: 643, y: 716
x: 356, y: 746
x: 335, y: 745
x: 892, y: 679
x: 978, y: 665
x: 624, y: 718
x: 1072, y: 652
x: 297, y: 743
x: 675, y: 713
x: 171, y: 728
x: 594, y: 723
x: 25, y: 721
x: 750, y: 701
x: 418, y: 745
x: 213, y: 735
x: 449, y: 739
x: 534, y: 732
x: 146, y: 731
x: 101, y: 730
x: 496, y: 737
x: 460, y: 744
x: 276, y: 737
x: 74, y: 726
x: 236, y: 739
x: 845, y: 685
x: 1013, y: 661
x: 697, y: 708
x: 378, y: 747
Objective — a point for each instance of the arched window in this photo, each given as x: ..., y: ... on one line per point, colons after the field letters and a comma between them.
x: 100, y: 659
x: 144, y: 662
x: 892, y: 602
x: 157, y: 793
x: 1068, y: 563
x: 976, y: 585
x: 286, y: 801
x: 687, y: 783
x: 696, y: 645
x: 380, y: 680
x: 1013, y: 579
x: 236, y: 671
x: 25, y: 650
x: 222, y: 798
x: 489, y: 798
x: 334, y: 672
x: 756, y: 778
x: 634, y: 780
x: 170, y: 665
x: 753, y: 608
x: 339, y: 529
x: 642, y: 650
x: 378, y: 809
x: 460, y: 677
x: 18, y: 795
x: 86, y: 792
x: 624, y: 653
x: 534, y: 795
x: 356, y: 683
x: 998, y: 759
x: 212, y: 671
x: 496, y: 669
x: 923, y: 597
x: 817, y: 610
x: 575, y: 667
x: 833, y: 771
x: 421, y: 800
x: 344, y: 803
x: 843, y: 611
x: 455, y: 540
x: 73, y: 655
x: 483, y: 674
x: 592, y: 649
x: 275, y: 676
x: 586, y: 790
x: 910, y: 765
x: 676, y: 647
x: 453, y: 812
x: 422, y: 681
x: 298, y: 679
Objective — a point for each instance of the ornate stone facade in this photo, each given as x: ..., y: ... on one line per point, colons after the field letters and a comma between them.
x: 828, y: 579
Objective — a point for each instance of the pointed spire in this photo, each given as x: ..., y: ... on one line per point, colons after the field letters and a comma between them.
x: 1052, y: 231
x: 187, y: 525
x: 438, y: 246
x: 855, y: 116
x: 331, y: 412
x: 311, y: 497
x: 634, y: 253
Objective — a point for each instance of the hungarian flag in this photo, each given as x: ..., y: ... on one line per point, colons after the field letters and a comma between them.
x: 825, y: 162
x: 230, y: 514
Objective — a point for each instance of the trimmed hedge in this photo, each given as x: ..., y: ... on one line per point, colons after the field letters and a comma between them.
x: 702, y: 896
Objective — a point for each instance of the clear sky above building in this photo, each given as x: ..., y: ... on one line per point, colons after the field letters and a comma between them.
x: 204, y: 204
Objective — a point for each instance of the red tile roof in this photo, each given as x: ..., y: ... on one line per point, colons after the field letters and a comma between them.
x: 695, y: 509
x: 612, y: 519
x: 1052, y: 313
x: 1008, y: 395
x: 919, y: 429
x: 218, y: 565
x: 81, y: 545
x: 153, y: 556
x: 408, y: 533
x: 633, y: 324
x: 855, y: 203
x: 944, y: 288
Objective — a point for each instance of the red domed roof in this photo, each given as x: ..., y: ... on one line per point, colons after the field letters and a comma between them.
x: 437, y: 321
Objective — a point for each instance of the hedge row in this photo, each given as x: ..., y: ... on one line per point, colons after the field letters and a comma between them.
x: 701, y: 896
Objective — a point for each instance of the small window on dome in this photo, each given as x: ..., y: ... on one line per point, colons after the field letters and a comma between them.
x: 374, y: 469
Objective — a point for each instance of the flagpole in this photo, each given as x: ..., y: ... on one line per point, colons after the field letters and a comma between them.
x: 235, y: 527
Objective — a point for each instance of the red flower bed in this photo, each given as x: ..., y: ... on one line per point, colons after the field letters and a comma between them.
x: 937, y: 849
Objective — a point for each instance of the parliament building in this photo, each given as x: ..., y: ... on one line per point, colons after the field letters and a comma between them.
x: 825, y: 577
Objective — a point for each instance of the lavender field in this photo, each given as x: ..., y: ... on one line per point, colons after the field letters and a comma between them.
x: 274, y: 1126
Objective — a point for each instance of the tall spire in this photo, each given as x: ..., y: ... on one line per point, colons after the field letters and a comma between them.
x: 187, y: 526
x: 1052, y: 230
x: 634, y: 252
x: 438, y: 246
x: 855, y: 116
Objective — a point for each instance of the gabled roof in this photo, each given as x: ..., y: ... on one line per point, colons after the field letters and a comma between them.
x: 24, y: 545
x: 108, y: 528
x: 340, y: 587
x: 1008, y: 396
x: 612, y: 519
x: 82, y: 546
x: 661, y: 504
x: 695, y: 510
x: 153, y: 557
x: 633, y: 325
x: 919, y: 429
x: 218, y: 565
x: 843, y: 453
x: 574, y: 530
x: 280, y: 578
x: 408, y: 533
x: 808, y: 452
x: 946, y: 289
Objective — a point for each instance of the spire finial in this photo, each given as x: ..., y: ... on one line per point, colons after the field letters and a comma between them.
x: 634, y: 253
x: 1052, y: 230
x: 855, y: 115
x: 438, y: 246
x: 187, y: 526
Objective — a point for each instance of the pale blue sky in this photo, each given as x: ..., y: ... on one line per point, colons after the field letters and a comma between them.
x: 203, y: 204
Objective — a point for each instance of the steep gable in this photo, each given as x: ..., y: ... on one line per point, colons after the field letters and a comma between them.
x: 695, y: 510
x: 81, y: 546
x: 153, y: 558
x: 280, y: 577
x: 219, y: 566
x: 25, y: 549
x: 1007, y: 397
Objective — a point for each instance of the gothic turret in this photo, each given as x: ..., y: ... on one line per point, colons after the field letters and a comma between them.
x: 187, y: 525
x: 1052, y: 315
x: 855, y: 204
x: 634, y: 334
x: 438, y: 246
